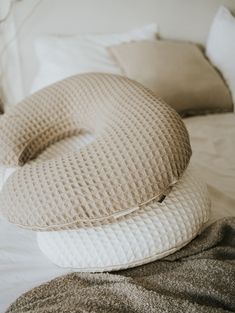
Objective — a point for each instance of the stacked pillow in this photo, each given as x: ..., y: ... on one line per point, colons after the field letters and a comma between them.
x: 124, y: 226
x: 124, y: 199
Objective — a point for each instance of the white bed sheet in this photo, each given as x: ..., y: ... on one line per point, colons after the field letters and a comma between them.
x: 213, y: 144
x: 23, y: 266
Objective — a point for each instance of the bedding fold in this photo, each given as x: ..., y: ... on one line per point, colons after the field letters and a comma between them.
x: 198, y: 278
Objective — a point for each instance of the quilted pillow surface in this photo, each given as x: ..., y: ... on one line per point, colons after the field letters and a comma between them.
x: 140, y: 149
x: 138, y: 238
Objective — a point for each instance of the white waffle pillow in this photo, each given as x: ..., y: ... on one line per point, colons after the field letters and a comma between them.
x: 147, y: 235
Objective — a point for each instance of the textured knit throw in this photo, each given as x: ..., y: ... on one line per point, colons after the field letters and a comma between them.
x: 141, y: 148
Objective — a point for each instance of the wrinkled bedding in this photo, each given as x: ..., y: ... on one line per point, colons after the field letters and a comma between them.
x: 22, y: 265
x: 213, y: 143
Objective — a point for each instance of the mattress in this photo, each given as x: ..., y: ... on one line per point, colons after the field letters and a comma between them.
x: 22, y: 264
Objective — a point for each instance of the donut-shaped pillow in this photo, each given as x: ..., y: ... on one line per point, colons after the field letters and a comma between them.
x: 141, y: 149
x: 143, y: 236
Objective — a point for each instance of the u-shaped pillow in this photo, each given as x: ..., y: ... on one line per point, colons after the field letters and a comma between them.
x: 141, y: 148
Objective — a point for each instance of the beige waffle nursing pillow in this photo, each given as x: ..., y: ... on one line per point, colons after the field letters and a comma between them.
x: 140, y: 149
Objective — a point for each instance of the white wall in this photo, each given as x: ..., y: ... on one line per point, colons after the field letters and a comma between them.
x: 179, y: 19
x: 183, y: 19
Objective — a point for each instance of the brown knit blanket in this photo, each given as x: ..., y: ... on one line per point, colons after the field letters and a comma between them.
x: 198, y: 278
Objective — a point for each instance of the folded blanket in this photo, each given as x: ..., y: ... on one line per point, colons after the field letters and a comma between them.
x: 198, y: 278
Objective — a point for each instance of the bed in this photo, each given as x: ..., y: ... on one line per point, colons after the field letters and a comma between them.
x: 22, y: 264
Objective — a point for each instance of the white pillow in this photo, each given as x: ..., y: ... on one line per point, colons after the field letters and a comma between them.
x: 60, y: 57
x: 220, y: 47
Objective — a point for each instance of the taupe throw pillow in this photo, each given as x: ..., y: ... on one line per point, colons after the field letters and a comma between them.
x: 176, y: 71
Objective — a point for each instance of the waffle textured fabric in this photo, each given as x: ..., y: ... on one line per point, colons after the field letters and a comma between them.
x: 138, y: 238
x: 141, y: 148
x: 141, y: 237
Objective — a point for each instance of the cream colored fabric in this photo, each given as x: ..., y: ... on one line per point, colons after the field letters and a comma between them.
x: 151, y: 233
x: 176, y: 71
x: 213, y: 143
x: 141, y: 148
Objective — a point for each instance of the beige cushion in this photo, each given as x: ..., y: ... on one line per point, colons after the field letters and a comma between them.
x: 141, y: 148
x: 176, y: 71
